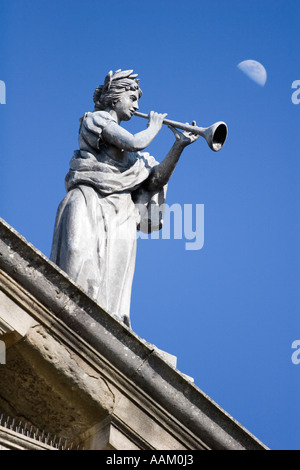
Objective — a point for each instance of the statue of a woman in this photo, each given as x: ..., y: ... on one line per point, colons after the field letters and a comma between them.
x: 113, y: 189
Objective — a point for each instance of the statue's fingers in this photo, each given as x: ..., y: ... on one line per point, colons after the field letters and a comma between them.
x: 174, y: 130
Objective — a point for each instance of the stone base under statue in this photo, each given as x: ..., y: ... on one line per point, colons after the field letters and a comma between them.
x: 79, y: 376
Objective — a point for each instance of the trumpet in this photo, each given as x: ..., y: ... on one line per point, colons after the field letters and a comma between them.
x: 215, y: 135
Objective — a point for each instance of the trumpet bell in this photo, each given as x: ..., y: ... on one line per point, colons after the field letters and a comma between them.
x: 216, y: 135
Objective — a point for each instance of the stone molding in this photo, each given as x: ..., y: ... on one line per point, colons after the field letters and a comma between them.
x: 118, y: 380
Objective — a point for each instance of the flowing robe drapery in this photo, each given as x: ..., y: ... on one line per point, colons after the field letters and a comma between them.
x: 95, y: 229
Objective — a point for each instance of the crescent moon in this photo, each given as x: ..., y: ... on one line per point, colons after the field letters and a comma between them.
x: 254, y: 70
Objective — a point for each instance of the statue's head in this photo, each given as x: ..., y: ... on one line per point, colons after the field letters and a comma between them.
x: 115, y: 85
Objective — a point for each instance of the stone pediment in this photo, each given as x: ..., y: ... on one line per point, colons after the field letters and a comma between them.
x: 77, y: 373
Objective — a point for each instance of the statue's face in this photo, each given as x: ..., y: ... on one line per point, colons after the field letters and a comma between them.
x: 126, y: 106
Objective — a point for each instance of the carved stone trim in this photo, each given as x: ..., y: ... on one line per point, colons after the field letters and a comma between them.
x: 131, y: 367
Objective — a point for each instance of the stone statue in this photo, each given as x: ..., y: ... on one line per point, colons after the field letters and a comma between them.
x: 113, y: 189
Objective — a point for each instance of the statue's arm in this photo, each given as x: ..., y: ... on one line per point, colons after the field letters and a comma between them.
x: 120, y: 138
x: 162, y: 172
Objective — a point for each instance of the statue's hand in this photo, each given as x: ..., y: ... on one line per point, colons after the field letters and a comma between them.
x: 156, y: 120
x: 184, y: 138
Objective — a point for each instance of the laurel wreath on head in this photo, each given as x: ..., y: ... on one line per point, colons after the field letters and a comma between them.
x: 112, y: 77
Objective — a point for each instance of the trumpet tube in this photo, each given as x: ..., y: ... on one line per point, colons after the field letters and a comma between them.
x: 215, y: 135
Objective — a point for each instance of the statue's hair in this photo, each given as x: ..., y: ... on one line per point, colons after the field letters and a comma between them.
x: 114, y: 85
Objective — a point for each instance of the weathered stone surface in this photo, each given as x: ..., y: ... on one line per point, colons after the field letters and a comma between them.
x: 76, y: 371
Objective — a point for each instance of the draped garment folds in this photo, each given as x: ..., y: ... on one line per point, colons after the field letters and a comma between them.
x: 94, y: 238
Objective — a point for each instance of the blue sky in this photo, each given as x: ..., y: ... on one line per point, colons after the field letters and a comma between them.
x: 230, y: 311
